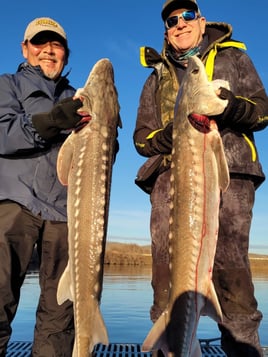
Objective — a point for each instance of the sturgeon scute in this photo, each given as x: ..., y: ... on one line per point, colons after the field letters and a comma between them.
x: 199, y: 172
x: 84, y: 164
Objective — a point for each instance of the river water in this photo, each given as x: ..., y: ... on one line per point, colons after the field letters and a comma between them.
x: 125, y: 305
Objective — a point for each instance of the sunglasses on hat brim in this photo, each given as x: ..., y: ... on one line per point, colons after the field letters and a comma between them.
x: 186, y: 16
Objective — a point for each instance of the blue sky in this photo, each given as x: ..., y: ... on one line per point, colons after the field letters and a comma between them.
x: 116, y: 30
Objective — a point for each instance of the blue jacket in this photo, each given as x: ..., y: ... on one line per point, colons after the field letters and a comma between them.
x: 27, y: 162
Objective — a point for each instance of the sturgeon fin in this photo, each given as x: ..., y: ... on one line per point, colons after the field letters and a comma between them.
x: 224, y: 178
x: 64, y: 161
x: 222, y: 166
x: 212, y: 306
x: 156, y: 336
x: 64, y: 291
x: 100, y: 334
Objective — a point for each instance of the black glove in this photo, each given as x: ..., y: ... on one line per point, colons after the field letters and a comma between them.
x: 233, y: 112
x: 62, y: 116
x: 162, y: 140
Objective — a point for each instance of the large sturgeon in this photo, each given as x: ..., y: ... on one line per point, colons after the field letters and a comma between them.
x: 85, y: 165
x: 198, y: 173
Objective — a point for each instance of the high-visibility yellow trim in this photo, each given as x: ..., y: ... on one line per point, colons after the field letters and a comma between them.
x: 212, y: 54
x: 152, y: 134
x: 209, y: 70
x: 148, y: 137
x: 263, y: 120
x: 252, y: 147
x: 141, y: 145
x: 246, y: 99
x: 142, y: 57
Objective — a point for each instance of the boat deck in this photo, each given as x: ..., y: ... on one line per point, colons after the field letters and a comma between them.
x: 209, y: 349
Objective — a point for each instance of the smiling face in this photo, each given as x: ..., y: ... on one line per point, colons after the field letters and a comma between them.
x: 185, y: 34
x: 47, y: 51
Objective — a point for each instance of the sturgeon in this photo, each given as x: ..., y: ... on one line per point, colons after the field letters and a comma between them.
x: 199, y: 173
x: 84, y: 164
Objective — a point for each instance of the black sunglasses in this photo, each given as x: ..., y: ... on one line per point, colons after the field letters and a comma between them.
x: 186, y: 16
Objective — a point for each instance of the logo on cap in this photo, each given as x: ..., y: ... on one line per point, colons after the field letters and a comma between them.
x: 43, y: 24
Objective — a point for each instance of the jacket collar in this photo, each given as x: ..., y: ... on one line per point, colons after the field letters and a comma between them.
x: 25, y: 66
x: 216, y: 32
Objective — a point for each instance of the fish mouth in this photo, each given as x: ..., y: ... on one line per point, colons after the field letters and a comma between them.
x: 199, y: 122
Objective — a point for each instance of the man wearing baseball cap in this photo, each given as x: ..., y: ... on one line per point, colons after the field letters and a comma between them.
x: 171, y: 5
x: 44, y: 24
x: 37, y: 113
x: 186, y: 33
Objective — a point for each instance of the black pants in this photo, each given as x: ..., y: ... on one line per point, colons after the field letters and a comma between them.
x: 20, y: 230
x: 231, y: 276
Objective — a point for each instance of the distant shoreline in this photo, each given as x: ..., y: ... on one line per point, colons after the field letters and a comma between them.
x: 139, y: 255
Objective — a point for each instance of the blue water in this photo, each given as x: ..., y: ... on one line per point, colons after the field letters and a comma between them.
x: 126, y: 301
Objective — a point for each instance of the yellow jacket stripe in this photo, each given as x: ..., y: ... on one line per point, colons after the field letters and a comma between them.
x: 212, y: 54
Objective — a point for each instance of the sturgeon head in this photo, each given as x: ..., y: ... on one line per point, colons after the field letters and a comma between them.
x: 198, y: 173
x: 85, y: 164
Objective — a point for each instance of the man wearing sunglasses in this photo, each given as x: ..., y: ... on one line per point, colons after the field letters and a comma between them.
x: 37, y: 111
x: 186, y: 33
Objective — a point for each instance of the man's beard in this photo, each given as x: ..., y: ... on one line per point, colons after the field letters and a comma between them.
x: 51, y: 74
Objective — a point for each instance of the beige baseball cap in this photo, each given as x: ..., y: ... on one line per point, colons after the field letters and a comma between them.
x: 43, y: 24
